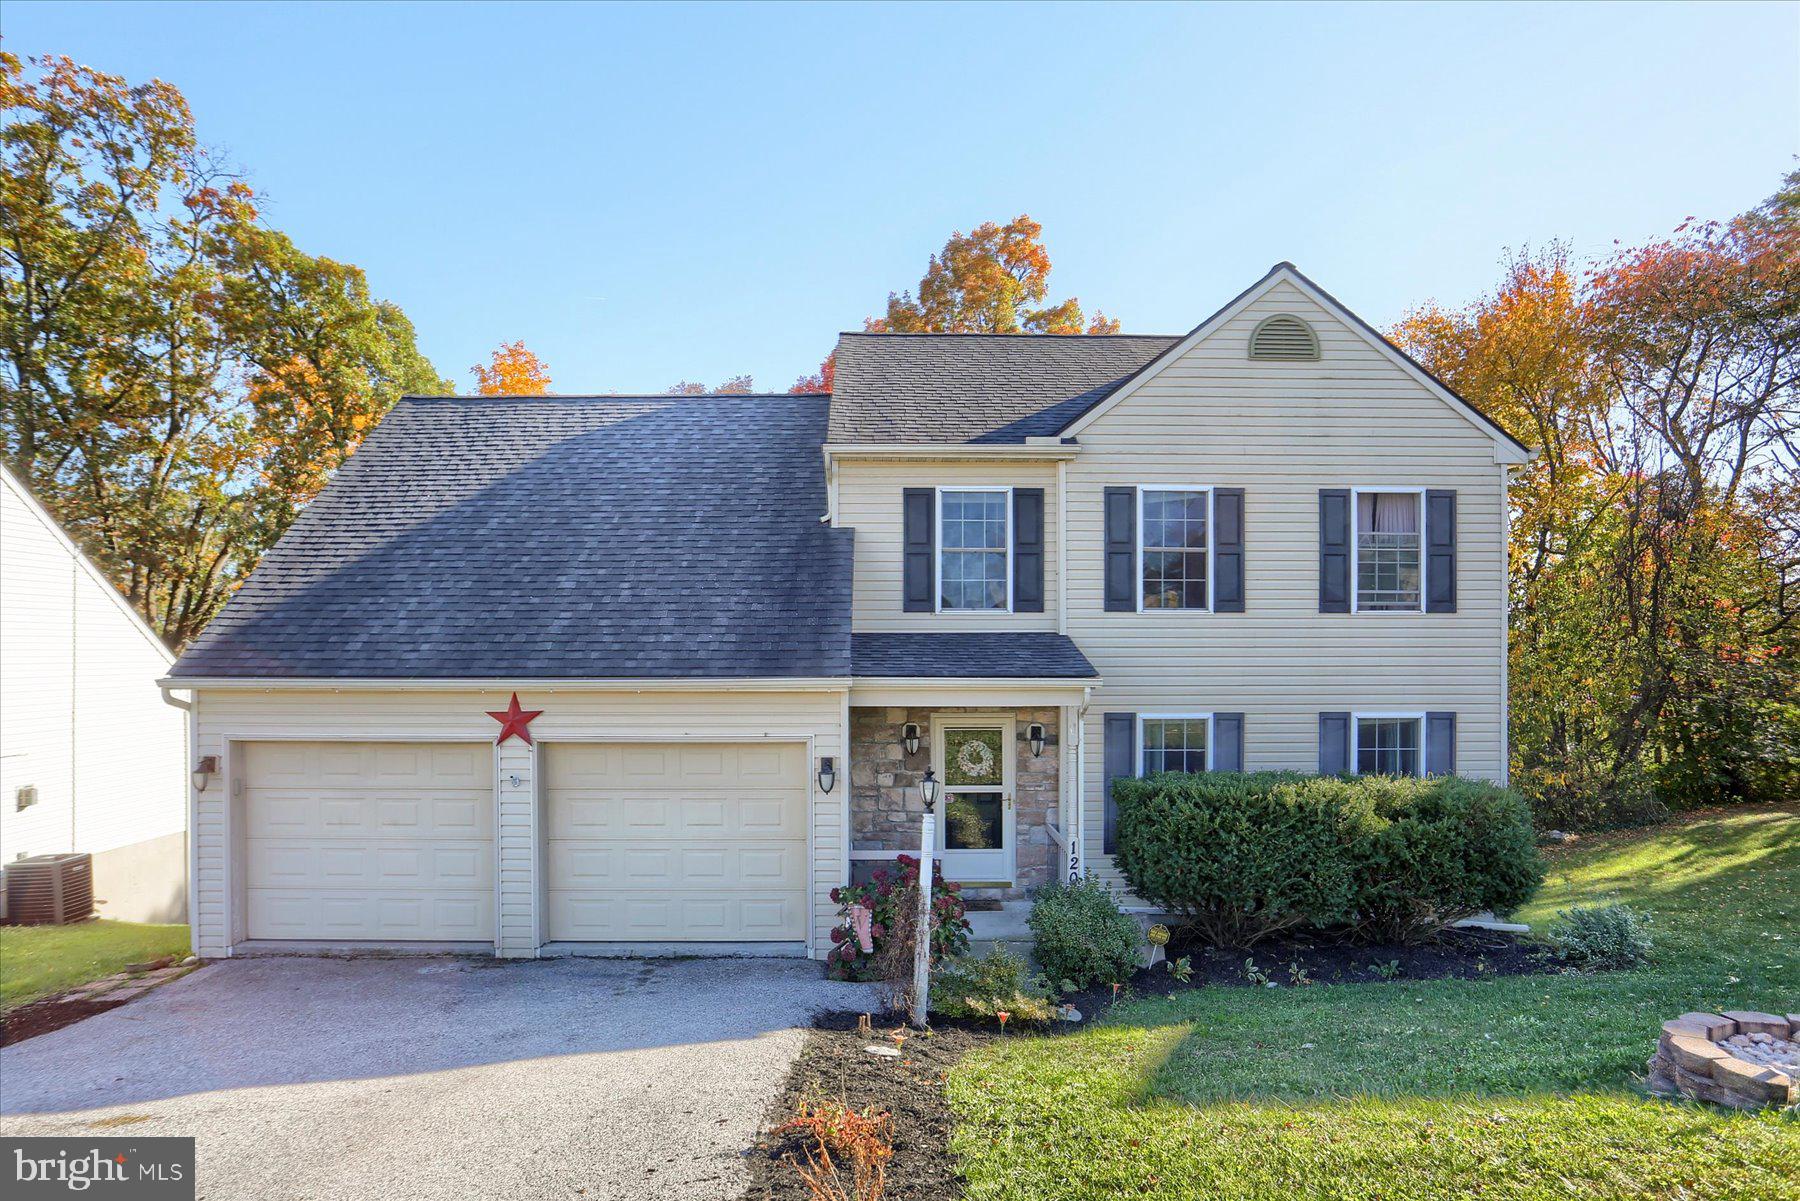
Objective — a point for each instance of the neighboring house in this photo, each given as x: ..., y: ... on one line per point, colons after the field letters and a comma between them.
x: 1272, y: 542
x: 91, y: 757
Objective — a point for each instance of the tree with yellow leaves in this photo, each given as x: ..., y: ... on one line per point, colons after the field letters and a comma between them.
x: 513, y: 370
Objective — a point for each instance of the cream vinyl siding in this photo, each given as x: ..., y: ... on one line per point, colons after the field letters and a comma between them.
x: 82, y: 721
x: 226, y: 719
x: 869, y: 501
x: 1281, y: 431
x: 368, y: 840
x: 663, y: 841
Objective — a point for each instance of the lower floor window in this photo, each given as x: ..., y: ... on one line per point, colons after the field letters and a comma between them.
x: 1388, y: 746
x: 1174, y: 744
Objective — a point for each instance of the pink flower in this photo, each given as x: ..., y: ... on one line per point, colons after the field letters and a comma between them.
x: 837, y: 934
x: 836, y: 895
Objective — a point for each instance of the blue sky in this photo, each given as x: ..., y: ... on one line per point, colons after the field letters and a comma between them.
x: 649, y: 194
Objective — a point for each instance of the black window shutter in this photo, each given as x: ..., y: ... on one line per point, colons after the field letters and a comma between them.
x: 1440, y: 744
x: 919, y: 507
x: 1334, y: 744
x: 1228, y: 550
x: 1121, y: 550
x: 1334, y: 550
x: 1228, y: 742
x: 1440, y: 550
x: 1120, y: 760
x: 1028, y: 550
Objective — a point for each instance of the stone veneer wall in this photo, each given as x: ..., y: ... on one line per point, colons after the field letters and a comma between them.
x: 884, y: 788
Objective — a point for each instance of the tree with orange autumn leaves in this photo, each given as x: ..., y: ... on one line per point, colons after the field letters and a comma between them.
x: 982, y: 282
x: 176, y: 377
x: 1656, y: 536
x: 512, y: 370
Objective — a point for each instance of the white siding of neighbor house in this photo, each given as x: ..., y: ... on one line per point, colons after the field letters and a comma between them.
x: 1281, y: 431
x: 869, y: 501
x: 224, y: 717
x: 82, y: 720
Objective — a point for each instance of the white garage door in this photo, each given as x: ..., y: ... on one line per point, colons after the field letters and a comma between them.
x: 369, y: 840
x: 676, y: 841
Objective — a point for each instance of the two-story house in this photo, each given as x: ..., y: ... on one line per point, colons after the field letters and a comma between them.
x: 587, y: 674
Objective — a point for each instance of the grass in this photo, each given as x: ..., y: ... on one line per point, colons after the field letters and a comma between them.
x: 1523, y: 1087
x: 37, y: 961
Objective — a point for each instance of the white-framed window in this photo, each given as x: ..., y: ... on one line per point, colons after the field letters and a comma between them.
x: 1174, y: 742
x: 1174, y: 550
x: 1387, y: 744
x: 974, y: 527
x: 1387, y: 550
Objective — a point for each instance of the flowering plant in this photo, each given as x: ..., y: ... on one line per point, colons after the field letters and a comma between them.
x: 889, y: 896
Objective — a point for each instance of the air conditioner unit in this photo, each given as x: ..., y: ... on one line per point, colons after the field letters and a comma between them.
x: 50, y: 890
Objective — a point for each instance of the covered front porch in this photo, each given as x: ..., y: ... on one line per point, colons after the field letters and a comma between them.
x: 1006, y: 750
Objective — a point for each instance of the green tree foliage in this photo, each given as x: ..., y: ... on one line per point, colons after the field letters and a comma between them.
x: 1656, y: 537
x: 176, y: 378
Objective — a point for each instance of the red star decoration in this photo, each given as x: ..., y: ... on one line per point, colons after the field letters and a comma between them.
x: 513, y: 720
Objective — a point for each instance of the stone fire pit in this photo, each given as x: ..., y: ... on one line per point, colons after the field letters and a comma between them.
x: 1740, y: 1058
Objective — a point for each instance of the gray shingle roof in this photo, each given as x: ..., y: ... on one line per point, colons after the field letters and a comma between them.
x: 969, y: 656
x: 976, y: 387
x: 556, y: 537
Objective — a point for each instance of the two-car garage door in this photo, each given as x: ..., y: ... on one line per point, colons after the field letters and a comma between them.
x: 674, y: 841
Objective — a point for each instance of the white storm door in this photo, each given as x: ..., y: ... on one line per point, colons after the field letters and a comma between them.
x: 974, y: 759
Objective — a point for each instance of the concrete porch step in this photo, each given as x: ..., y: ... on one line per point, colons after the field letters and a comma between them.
x: 1005, y: 924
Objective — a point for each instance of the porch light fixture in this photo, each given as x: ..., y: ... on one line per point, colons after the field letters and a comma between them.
x: 208, y: 766
x: 827, y: 774
x: 1034, y: 734
x: 928, y: 788
x: 909, y: 737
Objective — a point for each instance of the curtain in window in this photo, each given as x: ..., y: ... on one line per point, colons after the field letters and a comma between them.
x: 1387, y: 513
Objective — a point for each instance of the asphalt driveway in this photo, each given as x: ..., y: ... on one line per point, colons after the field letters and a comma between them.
x: 440, y: 1077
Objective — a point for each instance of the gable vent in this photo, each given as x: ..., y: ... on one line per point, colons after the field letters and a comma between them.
x: 1283, y: 337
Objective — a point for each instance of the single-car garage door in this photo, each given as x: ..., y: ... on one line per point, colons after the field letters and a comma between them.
x: 369, y: 840
x: 679, y: 841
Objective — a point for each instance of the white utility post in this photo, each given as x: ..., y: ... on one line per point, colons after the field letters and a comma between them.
x: 928, y: 788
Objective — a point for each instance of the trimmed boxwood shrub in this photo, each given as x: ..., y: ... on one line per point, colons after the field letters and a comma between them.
x: 1244, y: 856
x: 1082, y: 936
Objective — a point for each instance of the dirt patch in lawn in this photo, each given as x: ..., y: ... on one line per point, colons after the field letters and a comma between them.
x: 910, y: 1087
x: 52, y: 1013
x: 1306, y: 960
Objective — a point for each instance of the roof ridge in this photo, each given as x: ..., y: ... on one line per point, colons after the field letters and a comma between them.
x: 868, y: 333
x: 619, y: 396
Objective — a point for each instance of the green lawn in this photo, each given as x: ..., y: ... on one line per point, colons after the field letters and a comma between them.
x: 36, y: 961
x: 1522, y: 1087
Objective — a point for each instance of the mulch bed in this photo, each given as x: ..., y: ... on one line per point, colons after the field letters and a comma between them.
x: 52, y: 1013
x: 1455, y: 955
x: 833, y: 1064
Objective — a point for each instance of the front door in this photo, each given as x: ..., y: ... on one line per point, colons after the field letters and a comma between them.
x: 974, y: 759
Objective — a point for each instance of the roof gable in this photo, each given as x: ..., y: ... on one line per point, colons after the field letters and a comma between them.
x: 1312, y: 303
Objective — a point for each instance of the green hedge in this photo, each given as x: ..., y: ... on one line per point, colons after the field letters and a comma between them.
x: 1378, y: 858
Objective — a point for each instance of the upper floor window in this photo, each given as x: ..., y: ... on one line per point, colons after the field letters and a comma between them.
x: 1172, y: 548
x: 1389, y: 745
x: 1173, y: 744
x: 1387, y: 550
x: 974, y: 567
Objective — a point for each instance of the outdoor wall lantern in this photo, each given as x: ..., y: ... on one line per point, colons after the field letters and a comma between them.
x: 208, y: 765
x: 909, y: 737
x: 928, y: 788
x: 1034, y: 734
x: 827, y: 774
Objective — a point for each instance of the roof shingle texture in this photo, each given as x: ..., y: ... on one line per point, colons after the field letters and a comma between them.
x: 969, y: 656
x: 964, y: 388
x: 556, y: 537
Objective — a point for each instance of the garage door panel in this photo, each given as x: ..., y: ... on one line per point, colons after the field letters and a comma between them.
x: 633, y: 917
x: 390, y: 841
x: 389, y: 916
x: 671, y: 842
